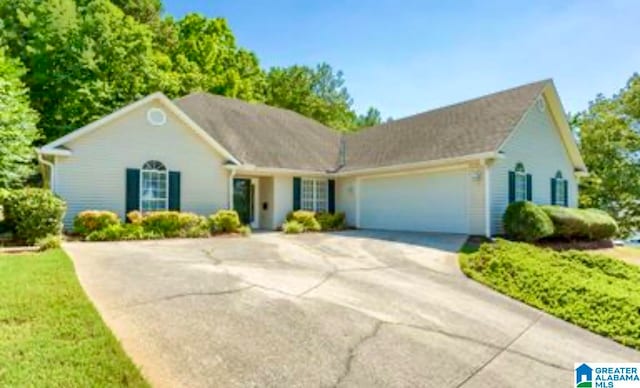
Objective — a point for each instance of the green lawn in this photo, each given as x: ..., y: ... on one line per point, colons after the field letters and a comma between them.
x: 50, y: 334
x: 596, y: 292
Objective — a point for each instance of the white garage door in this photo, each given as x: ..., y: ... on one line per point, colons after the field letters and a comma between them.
x: 432, y: 202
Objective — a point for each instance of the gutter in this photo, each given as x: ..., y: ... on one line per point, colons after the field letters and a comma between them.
x: 416, y: 165
x: 52, y: 181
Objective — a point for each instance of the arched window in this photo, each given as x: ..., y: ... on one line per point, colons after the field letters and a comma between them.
x: 559, y: 190
x: 154, y: 186
x: 520, y: 186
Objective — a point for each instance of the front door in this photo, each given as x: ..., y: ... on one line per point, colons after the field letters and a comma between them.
x: 243, y: 199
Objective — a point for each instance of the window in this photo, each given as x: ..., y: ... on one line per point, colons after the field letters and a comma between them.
x: 559, y: 196
x: 520, y: 183
x: 314, y: 195
x: 153, y: 186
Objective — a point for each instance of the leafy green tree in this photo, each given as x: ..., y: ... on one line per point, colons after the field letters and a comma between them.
x: 145, y: 11
x: 609, y: 132
x: 369, y: 119
x: 317, y: 92
x: 17, y: 125
x: 83, y: 61
x: 204, y: 56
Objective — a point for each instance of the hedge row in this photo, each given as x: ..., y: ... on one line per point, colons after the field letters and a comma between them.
x: 99, y: 225
x: 526, y: 221
x: 307, y: 221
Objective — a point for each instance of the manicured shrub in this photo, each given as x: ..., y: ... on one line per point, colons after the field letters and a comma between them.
x: 569, y: 223
x: 306, y: 218
x: 525, y: 221
x: 225, y: 221
x: 292, y: 227
x: 571, y: 285
x: 193, y: 225
x: 245, y: 230
x: 33, y: 213
x: 51, y: 241
x: 4, y: 194
x: 601, y: 225
x: 91, y: 220
x: 122, y: 232
x: 135, y: 217
x: 174, y: 224
x: 331, y: 221
x: 581, y: 224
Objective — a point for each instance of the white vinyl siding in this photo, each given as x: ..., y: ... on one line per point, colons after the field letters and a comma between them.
x: 346, y: 198
x: 537, y: 144
x: 93, y: 177
x: 428, y: 202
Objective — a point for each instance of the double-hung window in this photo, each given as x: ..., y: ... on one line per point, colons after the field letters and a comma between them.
x: 153, y: 186
x: 520, y: 183
x: 559, y: 190
x: 314, y: 195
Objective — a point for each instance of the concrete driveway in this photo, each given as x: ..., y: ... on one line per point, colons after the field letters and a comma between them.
x: 352, y: 309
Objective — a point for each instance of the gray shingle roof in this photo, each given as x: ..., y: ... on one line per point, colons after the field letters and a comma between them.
x: 470, y: 127
x: 262, y: 135
x: 272, y: 137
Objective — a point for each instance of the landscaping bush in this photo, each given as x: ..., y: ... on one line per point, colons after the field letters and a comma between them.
x: 225, y: 221
x: 525, y: 221
x: 33, y: 213
x: 174, y: 224
x: 569, y: 223
x: 52, y: 241
x: 135, y: 217
x: 292, y: 227
x: 581, y: 224
x: 306, y: 218
x: 123, y: 232
x: 601, y: 225
x: 245, y: 230
x: 91, y: 220
x: 596, y: 292
x: 331, y: 221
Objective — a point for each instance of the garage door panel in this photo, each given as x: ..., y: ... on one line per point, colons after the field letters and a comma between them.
x: 435, y: 202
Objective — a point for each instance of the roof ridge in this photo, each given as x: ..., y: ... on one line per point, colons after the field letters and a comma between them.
x: 463, y: 102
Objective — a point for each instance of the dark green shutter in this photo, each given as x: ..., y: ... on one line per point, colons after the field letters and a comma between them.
x: 332, y: 196
x: 132, y: 191
x: 512, y: 186
x: 297, y: 187
x: 566, y: 192
x: 174, y: 190
x: 529, y: 188
x: 553, y: 191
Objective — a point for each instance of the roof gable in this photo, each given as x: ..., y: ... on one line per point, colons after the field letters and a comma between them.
x: 57, y: 147
x: 476, y: 126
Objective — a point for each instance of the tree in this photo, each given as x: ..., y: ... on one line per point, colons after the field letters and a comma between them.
x: 318, y: 93
x: 145, y: 11
x: 17, y: 125
x: 609, y: 134
x: 205, y: 57
x: 83, y: 61
x: 369, y: 119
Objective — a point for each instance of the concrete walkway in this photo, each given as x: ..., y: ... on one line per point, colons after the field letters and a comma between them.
x: 352, y: 309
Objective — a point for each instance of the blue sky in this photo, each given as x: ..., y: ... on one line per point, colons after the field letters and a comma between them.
x: 404, y: 57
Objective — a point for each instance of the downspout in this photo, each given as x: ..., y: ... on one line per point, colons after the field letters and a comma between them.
x: 52, y: 181
x: 232, y: 174
x: 487, y: 200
